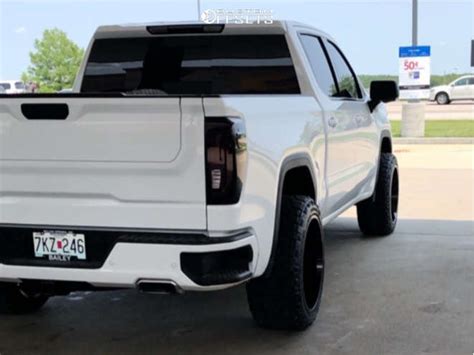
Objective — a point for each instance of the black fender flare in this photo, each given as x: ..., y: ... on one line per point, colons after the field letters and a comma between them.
x: 385, y: 133
x: 296, y: 160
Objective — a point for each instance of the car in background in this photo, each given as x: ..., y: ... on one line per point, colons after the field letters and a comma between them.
x: 459, y: 89
x: 13, y: 86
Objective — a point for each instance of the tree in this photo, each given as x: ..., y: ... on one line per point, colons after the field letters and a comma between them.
x: 55, y: 61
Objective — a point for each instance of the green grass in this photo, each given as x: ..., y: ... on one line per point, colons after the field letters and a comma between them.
x: 442, y: 128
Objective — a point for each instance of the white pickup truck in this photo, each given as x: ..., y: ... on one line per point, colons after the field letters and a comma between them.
x: 193, y: 157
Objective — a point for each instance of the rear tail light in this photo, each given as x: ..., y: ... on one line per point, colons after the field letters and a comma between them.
x: 226, y: 159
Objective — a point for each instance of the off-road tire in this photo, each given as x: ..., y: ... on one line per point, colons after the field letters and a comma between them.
x: 378, y: 215
x: 13, y: 301
x: 288, y: 295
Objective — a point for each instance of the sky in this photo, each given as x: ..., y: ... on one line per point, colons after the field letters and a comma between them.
x: 369, y: 31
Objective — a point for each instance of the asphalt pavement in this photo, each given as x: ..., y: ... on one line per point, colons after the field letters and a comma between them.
x: 457, y: 110
x: 409, y: 293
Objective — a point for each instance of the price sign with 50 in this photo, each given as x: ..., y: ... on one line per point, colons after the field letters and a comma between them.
x: 410, y: 65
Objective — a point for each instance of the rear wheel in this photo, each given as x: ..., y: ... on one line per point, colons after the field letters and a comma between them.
x: 378, y: 214
x: 288, y: 297
x: 14, y: 301
x: 442, y: 98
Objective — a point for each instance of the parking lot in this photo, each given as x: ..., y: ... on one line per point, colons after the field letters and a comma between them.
x: 410, y: 293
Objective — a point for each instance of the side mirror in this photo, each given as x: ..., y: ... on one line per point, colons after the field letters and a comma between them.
x: 382, y: 91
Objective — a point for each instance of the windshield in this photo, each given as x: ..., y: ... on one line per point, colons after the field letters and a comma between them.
x: 238, y: 64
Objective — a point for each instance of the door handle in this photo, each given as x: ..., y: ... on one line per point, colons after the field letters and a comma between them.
x: 332, y: 122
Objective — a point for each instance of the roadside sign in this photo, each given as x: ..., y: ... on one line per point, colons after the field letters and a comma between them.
x: 414, y: 72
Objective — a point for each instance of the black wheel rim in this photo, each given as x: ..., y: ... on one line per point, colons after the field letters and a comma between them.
x: 394, y: 196
x: 313, y: 265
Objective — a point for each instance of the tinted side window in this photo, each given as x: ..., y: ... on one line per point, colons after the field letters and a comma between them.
x: 319, y: 64
x: 6, y: 86
x: 461, y: 82
x: 346, y: 80
x: 192, y: 65
x: 471, y: 81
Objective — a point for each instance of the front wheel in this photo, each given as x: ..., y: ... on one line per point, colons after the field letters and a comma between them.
x: 14, y: 301
x: 442, y: 98
x: 378, y: 215
x: 288, y: 297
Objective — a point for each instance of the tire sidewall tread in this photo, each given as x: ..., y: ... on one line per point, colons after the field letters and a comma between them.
x: 375, y: 214
x: 277, y: 300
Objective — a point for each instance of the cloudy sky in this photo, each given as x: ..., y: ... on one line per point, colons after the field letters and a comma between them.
x: 370, y: 31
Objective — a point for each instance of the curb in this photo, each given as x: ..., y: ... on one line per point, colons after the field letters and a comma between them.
x: 434, y: 140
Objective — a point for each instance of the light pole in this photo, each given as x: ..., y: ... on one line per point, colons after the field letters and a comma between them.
x: 472, y: 53
x: 414, y: 18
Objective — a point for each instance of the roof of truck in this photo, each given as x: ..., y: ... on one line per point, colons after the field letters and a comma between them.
x: 140, y: 29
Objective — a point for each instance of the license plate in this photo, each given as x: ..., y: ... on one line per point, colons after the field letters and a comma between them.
x: 59, y: 245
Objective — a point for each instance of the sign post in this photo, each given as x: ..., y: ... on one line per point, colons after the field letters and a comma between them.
x: 414, y: 71
x: 472, y: 53
x: 414, y: 83
x: 414, y: 23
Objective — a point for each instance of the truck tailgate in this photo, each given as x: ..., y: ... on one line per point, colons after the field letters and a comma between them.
x: 132, y: 162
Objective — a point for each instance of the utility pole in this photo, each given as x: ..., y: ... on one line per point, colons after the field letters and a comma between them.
x: 414, y: 30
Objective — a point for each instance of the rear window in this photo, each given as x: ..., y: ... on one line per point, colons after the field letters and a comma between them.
x: 192, y: 65
x: 6, y: 86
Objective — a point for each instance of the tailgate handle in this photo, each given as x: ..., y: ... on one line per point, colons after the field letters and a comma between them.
x: 45, y: 111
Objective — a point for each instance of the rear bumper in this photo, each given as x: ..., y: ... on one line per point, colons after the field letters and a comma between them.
x: 205, y: 263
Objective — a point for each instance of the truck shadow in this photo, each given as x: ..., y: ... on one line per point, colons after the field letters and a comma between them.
x: 219, y: 322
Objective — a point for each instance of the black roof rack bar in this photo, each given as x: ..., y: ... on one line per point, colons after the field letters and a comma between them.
x: 177, y: 29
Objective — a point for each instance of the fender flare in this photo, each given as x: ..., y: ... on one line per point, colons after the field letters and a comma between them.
x: 296, y: 160
x: 385, y: 133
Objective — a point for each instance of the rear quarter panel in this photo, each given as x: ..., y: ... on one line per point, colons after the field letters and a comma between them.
x: 277, y: 126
